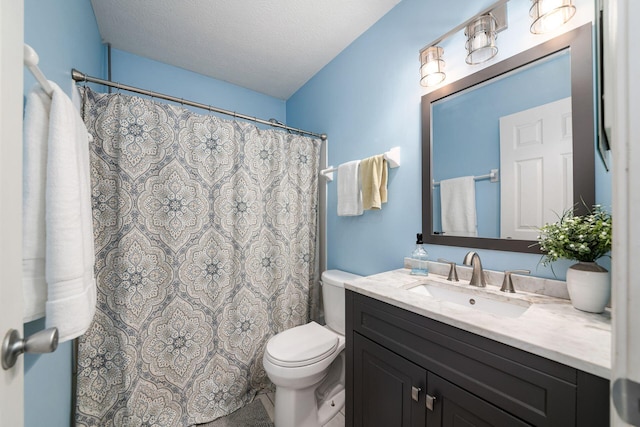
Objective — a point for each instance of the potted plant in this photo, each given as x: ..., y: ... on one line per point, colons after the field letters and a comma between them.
x: 584, y: 239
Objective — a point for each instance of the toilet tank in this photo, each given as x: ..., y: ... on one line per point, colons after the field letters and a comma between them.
x: 333, y: 297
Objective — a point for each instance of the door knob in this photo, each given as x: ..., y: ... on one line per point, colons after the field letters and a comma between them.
x: 45, y: 341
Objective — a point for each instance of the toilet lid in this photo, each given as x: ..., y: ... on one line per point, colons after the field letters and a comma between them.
x: 302, y: 345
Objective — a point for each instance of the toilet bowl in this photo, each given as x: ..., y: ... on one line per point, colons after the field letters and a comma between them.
x: 306, y: 363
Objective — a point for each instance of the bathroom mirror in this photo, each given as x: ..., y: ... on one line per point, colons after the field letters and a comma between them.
x: 462, y: 136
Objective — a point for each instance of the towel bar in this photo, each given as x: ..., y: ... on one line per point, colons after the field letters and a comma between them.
x: 392, y: 157
x: 493, y: 176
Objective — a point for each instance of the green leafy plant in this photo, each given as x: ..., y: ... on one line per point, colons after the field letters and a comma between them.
x: 582, y: 238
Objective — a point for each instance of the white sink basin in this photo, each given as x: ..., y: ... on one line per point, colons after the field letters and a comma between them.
x: 498, y: 305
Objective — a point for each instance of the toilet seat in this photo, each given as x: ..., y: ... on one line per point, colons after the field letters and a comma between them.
x: 302, y: 346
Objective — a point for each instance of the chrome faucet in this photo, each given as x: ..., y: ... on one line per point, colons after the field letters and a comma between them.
x: 477, y: 275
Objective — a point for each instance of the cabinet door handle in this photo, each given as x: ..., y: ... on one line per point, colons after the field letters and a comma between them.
x: 415, y: 393
x: 430, y: 401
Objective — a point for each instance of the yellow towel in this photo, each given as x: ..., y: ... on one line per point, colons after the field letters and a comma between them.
x: 373, y: 176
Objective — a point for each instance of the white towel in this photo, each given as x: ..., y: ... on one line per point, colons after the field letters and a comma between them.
x: 458, y: 206
x: 36, y: 135
x: 349, y: 189
x: 58, y: 229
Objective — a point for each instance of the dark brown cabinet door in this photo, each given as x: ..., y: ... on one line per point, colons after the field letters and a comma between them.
x: 385, y: 386
x: 455, y: 407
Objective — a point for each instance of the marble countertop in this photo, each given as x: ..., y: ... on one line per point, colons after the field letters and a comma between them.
x: 550, y: 328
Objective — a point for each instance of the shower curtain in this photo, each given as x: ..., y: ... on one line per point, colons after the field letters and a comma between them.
x: 205, y: 234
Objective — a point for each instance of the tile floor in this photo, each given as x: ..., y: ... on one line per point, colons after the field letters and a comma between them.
x: 268, y: 400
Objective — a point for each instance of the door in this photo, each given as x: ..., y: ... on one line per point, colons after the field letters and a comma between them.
x: 622, y: 110
x: 388, y: 389
x: 453, y: 406
x: 11, y: 39
x: 536, y: 164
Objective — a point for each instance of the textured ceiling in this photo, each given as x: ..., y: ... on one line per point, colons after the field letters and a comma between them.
x: 270, y: 46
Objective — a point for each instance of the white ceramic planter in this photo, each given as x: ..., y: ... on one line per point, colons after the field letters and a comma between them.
x: 589, y: 286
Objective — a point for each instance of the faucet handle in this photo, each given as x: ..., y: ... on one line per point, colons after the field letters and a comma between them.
x: 507, y: 284
x: 453, y: 272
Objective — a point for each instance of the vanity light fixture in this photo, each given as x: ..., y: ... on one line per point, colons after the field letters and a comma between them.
x: 548, y: 15
x: 431, y: 66
x: 481, y: 31
x: 481, y: 39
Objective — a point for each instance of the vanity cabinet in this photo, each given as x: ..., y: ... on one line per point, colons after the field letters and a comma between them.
x: 398, y: 363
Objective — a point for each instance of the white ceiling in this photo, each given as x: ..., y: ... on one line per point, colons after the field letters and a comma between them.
x: 270, y: 46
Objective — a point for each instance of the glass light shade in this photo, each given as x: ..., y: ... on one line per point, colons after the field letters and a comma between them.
x: 481, y: 40
x: 548, y: 15
x: 431, y: 66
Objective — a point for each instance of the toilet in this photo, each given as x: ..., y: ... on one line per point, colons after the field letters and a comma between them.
x: 306, y: 363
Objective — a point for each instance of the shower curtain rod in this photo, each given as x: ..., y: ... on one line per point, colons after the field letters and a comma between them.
x: 81, y: 77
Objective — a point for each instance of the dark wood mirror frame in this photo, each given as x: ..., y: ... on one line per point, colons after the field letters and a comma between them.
x: 583, y: 113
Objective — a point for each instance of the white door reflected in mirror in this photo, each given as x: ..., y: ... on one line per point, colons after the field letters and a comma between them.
x: 536, y: 159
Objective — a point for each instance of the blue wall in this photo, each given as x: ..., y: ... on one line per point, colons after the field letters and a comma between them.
x: 145, y: 73
x: 65, y: 35
x: 368, y: 100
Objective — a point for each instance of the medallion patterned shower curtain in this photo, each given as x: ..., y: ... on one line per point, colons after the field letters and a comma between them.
x: 205, y: 236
